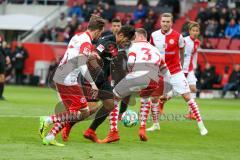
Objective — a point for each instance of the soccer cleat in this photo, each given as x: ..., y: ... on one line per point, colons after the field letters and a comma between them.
x: 43, y: 127
x: 154, y: 127
x: 111, y: 137
x: 66, y: 131
x: 52, y: 142
x: 142, y: 134
x: 91, y: 135
x: 203, y: 131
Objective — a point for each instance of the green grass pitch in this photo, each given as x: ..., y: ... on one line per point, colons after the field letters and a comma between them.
x: 177, y: 139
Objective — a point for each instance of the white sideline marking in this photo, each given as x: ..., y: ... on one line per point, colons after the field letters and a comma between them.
x: 18, y: 116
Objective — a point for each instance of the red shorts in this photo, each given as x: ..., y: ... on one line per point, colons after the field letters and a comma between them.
x: 154, y: 89
x: 72, y: 97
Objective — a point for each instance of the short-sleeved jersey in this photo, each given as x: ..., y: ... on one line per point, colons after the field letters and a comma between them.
x: 169, y: 45
x: 190, y: 54
x: 144, y: 57
x: 69, y: 67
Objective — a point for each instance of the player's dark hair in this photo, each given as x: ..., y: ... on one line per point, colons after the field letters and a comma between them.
x: 127, y: 31
x: 142, y: 31
x: 117, y: 20
x: 96, y: 23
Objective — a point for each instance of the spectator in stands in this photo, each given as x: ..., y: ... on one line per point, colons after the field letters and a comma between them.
x: 140, y: 12
x: 61, y: 23
x: 214, y: 15
x: 19, y: 57
x: 224, y: 14
x: 143, y: 2
x: 208, y: 77
x: 108, y: 12
x: 225, y: 76
x: 234, y: 14
x: 129, y: 20
x: 211, y: 28
x: 232, y: 29
x: 46, y: 35
x: 66, y: 34
x: 150, y: 21
x: 220, y: 32
x: 79, y: 29
x: 75, y: 10
x: 233, y: 82
x: 202, y: 15
x: 221, y: 3
x: 73, y: 25
x: 87, y: 11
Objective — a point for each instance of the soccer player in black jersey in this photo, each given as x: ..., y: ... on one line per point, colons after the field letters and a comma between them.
x: 111, y: 48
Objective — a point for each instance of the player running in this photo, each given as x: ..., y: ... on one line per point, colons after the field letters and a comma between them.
x: 74, y: 62
x: 171, y: 43
x: 192, y: 43
x: 145, y: 65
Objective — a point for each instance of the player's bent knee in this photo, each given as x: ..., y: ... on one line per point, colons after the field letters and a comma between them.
x: 108, y: 104
x: 186, y: 96
x: 193, y: 88
x: 154, y: 99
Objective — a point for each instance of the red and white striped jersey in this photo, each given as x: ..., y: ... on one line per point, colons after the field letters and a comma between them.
x: 190, y: 54
x: 169, y: 45
x: 144, y: 57
x: 68, y: 69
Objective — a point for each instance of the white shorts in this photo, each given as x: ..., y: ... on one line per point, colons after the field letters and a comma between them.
x: 177, y: 82
x: 191, y: 78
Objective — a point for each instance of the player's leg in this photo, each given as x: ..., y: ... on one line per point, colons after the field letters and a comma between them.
x: 181, y: 86
x: 192, y: 80
x: 67, y: 129
x: 163, y: 87
x: 144, y: 111
x: 2, y: 79
x: 101, y: 115
x: 106, y: 95
x: 73, y: 101
x: 123, y: 106
x: 155, y: 114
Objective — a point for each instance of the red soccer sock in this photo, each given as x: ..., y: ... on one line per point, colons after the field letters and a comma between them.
x: 144, y: 111
x: 113, y: 117
x: 57, y: 128
x: 194, y: 109
x: 155, y: 112
x: 72, y: 116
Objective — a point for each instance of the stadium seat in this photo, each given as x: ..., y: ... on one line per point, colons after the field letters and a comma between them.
x: 235, y: 44
x: 223, y: 43
x: 121, y: 15
x: 214, y: 42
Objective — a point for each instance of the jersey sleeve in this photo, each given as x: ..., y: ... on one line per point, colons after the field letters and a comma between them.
x: 181, y: 42
x: 151, y: 40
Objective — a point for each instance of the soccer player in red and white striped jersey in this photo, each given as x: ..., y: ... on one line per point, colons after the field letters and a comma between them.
x: 171, y: 44
x: 192, y: 43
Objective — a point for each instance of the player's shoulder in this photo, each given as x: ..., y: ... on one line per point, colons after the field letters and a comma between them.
x: 175, y: 33
x: 83, y: 37
x: 156, y: 33
x: 187, y: 38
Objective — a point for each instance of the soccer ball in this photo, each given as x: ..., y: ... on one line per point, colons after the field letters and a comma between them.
x: 129, y: 118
